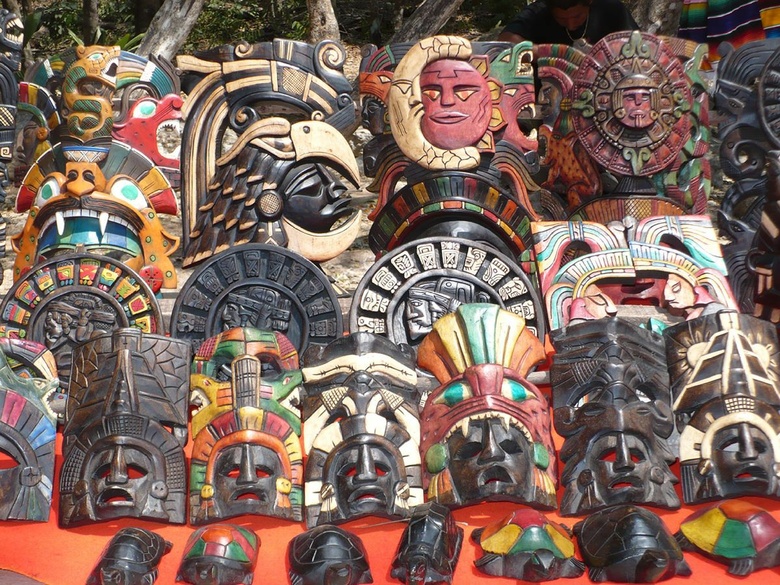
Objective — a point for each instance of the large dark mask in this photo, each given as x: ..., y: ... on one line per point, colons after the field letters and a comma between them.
x: 361, y: 430
x: 486, y: 430
x: 725, y: 372
x: 125, y: 429
x: 247, y: 455
x: 222, y: 554
x: 131, y: 558
x: 27, y: 433
x: 612, y: 406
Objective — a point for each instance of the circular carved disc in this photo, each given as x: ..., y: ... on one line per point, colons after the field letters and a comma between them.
x: 631, y: 101
x: 405, y: 291
x: 258, y: 285
x: 63, y: 301
x: 769, y: 98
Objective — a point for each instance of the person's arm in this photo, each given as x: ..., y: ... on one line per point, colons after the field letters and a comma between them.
x: 510, y: 37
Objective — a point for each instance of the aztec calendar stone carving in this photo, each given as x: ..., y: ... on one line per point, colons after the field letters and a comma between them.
x: 630, y: 100
x: 61, y: 302
x: 407, y: 290
x: 258, y: 285
x: 769, y: 98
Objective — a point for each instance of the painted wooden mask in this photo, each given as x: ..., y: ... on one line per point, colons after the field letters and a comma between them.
x: 724, y: 371
x: 247, y: 455
x: 361, y: 430
x: 486, y: 429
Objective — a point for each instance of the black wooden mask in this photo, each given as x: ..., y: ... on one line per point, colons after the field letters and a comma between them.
x: 612, y: 399
x: 119, y: 461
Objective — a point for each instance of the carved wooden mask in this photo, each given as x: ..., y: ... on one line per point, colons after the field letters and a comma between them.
x: 724, y: 370
x: 612, y: 406
x: 486, y: 429
x: 125, y: 430
x: 361, y: 430
x: 247, y: 455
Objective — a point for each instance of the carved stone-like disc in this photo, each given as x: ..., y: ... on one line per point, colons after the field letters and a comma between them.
x: 631, y: 101
x: 258, y: 285
x: 769, y: 98
x: 63, y: 301
x: 405, y: 291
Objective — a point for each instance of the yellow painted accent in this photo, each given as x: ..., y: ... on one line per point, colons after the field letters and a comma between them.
x: 502, y: 541
x: 565, y: 545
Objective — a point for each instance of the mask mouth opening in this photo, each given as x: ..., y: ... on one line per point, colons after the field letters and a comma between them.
x: 98, y: 232
x: 368, y: 495
x: 495, y: 475
x: 626, y: 482
x: 751, y: 473
x: 250, y: 496
x: 115, y: 497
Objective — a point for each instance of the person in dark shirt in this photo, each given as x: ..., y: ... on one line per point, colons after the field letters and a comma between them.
x: 568, y: 22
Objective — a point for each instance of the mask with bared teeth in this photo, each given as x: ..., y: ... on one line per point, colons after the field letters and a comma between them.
x: 486, y: 429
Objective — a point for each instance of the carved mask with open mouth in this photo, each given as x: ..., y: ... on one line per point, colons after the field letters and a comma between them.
x: 362, y: 430
x: 247, y: 456
x: 486, y: 430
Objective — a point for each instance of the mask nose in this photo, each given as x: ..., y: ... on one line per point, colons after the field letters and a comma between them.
x: 623, y: 461
x: 747, y: 449
x: 118, y: 472
x: 246, y: 473
x: 366, y: 469
x: 491, y: 449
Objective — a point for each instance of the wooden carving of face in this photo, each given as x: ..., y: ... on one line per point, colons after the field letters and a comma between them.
x: 456, y: 102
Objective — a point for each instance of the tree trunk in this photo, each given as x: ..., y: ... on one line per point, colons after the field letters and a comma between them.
x: 427, y: 20
x: 170, y: 27
x: 659, y: 17
x: 90, y: 21
x: 144, y: 13
x: 322, y: 21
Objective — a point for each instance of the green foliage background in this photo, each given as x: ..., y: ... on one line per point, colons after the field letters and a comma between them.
x: 225, y: 21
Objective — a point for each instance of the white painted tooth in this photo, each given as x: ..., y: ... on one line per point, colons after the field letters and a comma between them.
x: 60, y: 219
x: 463, y: 425
x: 103, y: 222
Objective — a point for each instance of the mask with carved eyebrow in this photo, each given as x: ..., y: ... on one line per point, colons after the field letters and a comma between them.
x: 361, y: 430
